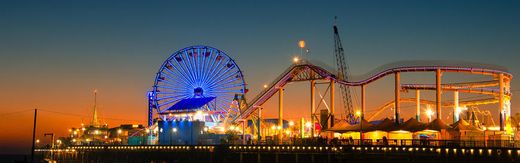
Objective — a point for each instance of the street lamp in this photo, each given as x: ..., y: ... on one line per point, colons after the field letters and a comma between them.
x: 429, y: 113
x: 296, y: 59
x: 174, y: 130
x: 358, y: 114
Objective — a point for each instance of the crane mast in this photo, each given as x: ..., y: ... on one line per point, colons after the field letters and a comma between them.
x: 343, y: 71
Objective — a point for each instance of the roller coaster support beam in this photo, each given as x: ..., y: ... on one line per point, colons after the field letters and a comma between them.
x: 259, y: 128
x: 397, y: 89
x: 313, y: 99
x: 363, y: 106
x: 501, y: 101
x: 418, y: 105
x: 456, y: 109
x: 244, y: 132
x: 280, y: 114
x: 438, y: 93
x: 331, y: 103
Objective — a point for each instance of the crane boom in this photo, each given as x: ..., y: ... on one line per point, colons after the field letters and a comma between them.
x: 343, y: 73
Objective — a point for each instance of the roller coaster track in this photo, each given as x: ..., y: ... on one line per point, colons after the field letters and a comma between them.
x: 305, y: 71
x: 428, y: 102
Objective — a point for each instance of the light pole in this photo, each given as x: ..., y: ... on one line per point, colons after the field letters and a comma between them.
x: 171, y: 135
x: 429, y: 113
x: 309, y: 126
x: 34, y: 134
x: 358, y: 113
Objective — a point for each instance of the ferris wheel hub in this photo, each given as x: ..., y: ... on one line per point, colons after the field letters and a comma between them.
x: 198, y: 91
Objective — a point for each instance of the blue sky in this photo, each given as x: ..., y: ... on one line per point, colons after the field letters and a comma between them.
x: 53, y: 53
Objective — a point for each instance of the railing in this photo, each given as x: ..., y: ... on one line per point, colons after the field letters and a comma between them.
x: 399, y: 143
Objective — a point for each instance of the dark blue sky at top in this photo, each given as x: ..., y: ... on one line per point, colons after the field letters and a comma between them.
x: 58, y: 51
x: 128, y: 40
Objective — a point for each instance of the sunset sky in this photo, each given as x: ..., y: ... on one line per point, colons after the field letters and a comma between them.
x: 53, y: 54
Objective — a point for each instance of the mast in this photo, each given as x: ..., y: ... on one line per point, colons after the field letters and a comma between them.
x: 343, y: 71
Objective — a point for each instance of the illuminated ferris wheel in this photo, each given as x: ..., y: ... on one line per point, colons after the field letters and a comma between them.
x: 197, y: 76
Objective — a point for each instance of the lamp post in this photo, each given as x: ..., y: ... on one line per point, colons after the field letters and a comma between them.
x: 358, y: 113
x: 174, y: 131
x: 429, y: 113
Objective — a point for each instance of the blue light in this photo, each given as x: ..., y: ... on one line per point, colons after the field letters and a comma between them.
x: 197, y: 72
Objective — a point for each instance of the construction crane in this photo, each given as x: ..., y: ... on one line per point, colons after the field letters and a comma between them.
x: 343, y: 73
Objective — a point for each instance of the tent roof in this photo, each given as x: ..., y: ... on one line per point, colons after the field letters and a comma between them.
x: 437, y: 125
x: 357, y: 127
x: 413, y: 125
x: 463, y: 125
x: 339, y: 127
x: 385, y: 125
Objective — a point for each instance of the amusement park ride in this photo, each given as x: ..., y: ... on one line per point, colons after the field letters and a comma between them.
x: 203, y: 84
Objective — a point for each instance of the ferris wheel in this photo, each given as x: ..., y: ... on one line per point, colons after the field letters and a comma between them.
x: 198, y: 72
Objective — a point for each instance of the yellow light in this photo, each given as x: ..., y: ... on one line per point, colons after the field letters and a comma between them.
x: 358, y: 113
x: 429, y: 112
x: 279, y: 127
x: 301, y: 44
x: 37, y: 140
x: 273, y: 127
x: 70, y: 130
x: 296, y: 59
x: 174, y: 129
x: 265, y: 85
x: 291, y: 123
x: 119, y: 131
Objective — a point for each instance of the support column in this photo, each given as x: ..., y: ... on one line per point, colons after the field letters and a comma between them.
x: 363, y: 102
x: 362, y: 116
x: 438, y: 94
x: 501, y: 101
x: 280, y: 114
x: 397, y: 98
x: 418, y: 105
x: 332, y: 83
x: 456, y: 109
x: 244, y: 132
x: 313, y: 99
x: 259, y: 127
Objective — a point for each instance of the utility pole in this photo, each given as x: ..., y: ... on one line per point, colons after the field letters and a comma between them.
x: 33, y: 136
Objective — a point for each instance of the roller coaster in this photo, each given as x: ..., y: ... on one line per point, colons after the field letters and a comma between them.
x: 307, y: 71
